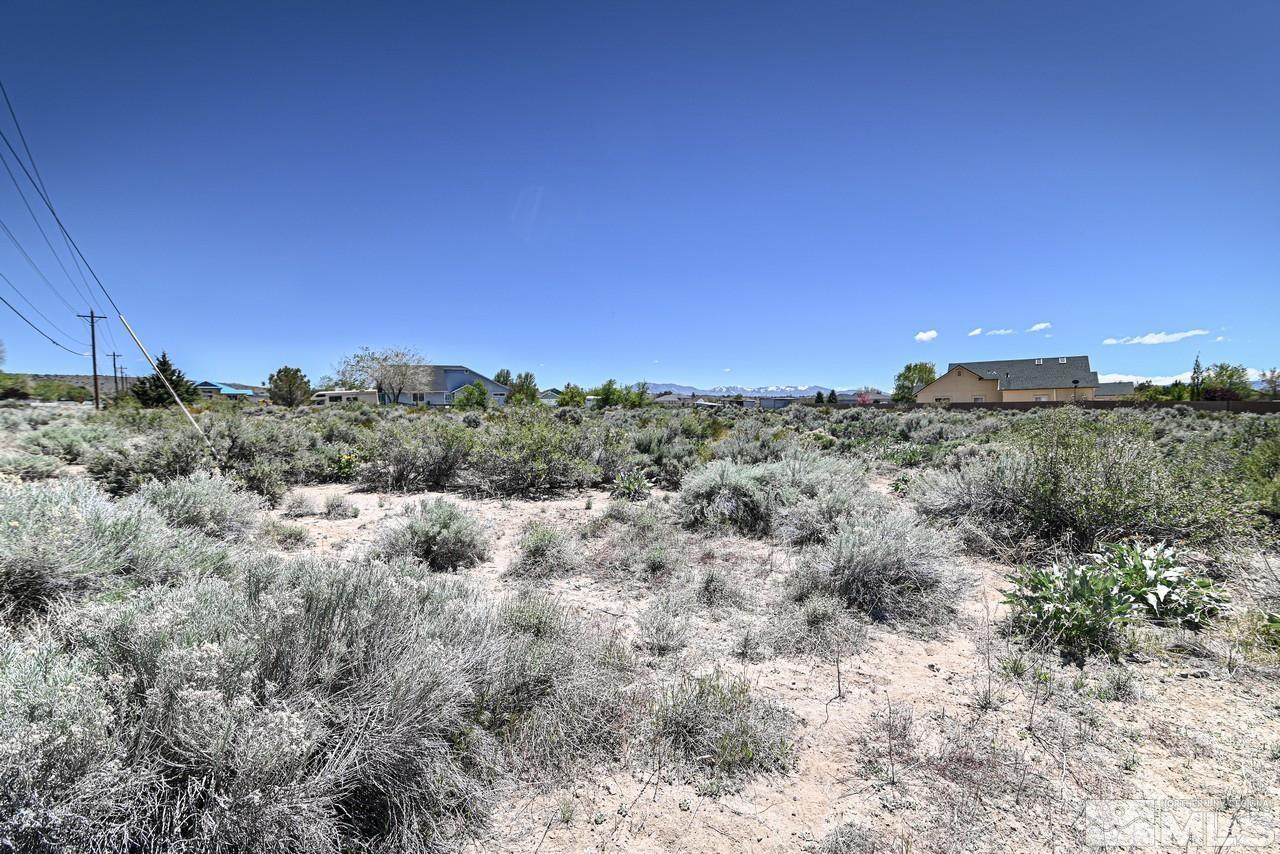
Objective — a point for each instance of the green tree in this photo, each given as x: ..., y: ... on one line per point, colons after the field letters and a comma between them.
x: 912, y: 376
x: 57, y: 390
x: 1271, y: 382
x: 1197, y: 379
x: 606, y: 395
x: 503, y: 377
x: 151, y: 392
x: 474, y: 396
x: 1225, y: 381
x: 635, y: 397
x: 832, y: 398
x: 289, y: 387
x: 524, y: 388
x: 818, y: 399
x: 572, y: 396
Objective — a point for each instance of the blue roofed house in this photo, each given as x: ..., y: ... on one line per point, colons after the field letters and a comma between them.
x: 210, y: 390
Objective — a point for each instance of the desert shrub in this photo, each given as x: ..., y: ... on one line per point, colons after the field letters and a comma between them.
x: 753, y: 441
x: 28, y: 466
x: 67, y: 539
x: 287, y: 537
x: 298, y: 507
x: 713, y: 722
x: 545, y: 551
x: 307, y: 707
x: 1085, y: 607
x: 726, y: 495
x: 663, y: 626
x: 425, y: 453
x: 1078, y: 482
x: 122, y: 469
x: 437, y: 533
x: 666, y: 454
x: 714, y: 587
x: 69, y: 441
x: 1070, y: 607
x: 819, y: 624
x: 340, y: 507
x: 631, y: 486
x: 530, y: 452
x: 755, y: 499
x: 204, y: 502
x: 888, y: 565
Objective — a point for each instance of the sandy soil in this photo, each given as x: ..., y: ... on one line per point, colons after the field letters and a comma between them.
x: 1001, y: 763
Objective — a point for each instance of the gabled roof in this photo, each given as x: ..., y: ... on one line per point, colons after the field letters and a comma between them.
x: 1114, y: 389
x: 433, y: 378
x: 1016, y: 374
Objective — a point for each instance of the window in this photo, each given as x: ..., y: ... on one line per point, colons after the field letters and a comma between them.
x: 942, y: 400
x: 1062, y: 360
x: 419, y: 397
x: 1042, y: 398
x: 979, y: 399
x: 335, y: 398
x: 1039, y: 361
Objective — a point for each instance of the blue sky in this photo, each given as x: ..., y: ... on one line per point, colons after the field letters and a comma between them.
x: 706, y: 193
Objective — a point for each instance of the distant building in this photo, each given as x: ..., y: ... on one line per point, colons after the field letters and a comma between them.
x: 436, y: 385
x: 210, y: 390
x: 776, y: 402
x: 1113, y: 391
x: 864, y: 397
x: 1050, y: 378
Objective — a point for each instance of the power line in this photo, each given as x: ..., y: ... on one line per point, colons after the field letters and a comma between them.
x: 41, y: 331
x: 35, y: 219
x: 44, y: 190
x: 44, y: 196
x: 36, y: 309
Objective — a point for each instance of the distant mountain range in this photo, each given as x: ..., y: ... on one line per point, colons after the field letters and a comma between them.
x: 745, y: 391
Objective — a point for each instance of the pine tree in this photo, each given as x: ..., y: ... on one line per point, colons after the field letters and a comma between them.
x: 150, y: 391
x: 502, y: 377
x: 832, y: 398
x: 1197, y: 379
x: 818, y: 399
x: 289, y: 387
x: 524, y: 389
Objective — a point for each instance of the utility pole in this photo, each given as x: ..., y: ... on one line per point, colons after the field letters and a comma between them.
x: 93, y: 348
x: 115, y: 374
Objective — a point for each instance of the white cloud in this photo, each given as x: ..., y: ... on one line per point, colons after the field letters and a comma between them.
x: 1222, y: 338
x: 977, y: 331
x: 727, y: 370
x: 1157, y: 337
x: 928, y: 335
x: 1040, y: 327
x: 999, y: 331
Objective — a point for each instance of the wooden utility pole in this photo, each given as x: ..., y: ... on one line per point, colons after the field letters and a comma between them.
x: 93, y: 348
x: 115, y: 374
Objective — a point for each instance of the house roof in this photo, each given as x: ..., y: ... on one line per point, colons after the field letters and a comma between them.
x: 227, y: 389
x: 1114, y: 389
x: 550, y: 392
x: 433, y: 377
x: 1016, y: 374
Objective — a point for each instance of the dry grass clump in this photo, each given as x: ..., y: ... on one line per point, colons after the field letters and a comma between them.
x: 305, y: 707
x: 714, y: 724
x: 437, y: 533
x: 205, y: 502
x: 636, y: 540
x: 546, y: 551
x: 819, y: 625
x: 340, y: 507
x: 887, y: 565
x: 663, y: 626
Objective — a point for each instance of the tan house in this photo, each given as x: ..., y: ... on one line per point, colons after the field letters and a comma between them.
x: 1051, y: 378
